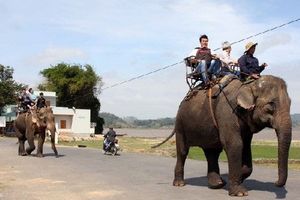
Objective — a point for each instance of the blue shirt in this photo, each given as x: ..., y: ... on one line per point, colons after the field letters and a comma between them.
x: 249, y: 65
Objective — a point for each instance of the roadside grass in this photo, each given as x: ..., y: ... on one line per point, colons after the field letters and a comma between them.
x: 263, y: 152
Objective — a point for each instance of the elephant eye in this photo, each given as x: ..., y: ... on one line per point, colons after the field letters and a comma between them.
x: 270, y: 107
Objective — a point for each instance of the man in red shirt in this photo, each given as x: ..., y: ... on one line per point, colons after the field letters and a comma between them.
x: 206, y: 61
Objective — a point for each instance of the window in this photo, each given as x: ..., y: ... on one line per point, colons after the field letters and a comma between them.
x: 63, y: 124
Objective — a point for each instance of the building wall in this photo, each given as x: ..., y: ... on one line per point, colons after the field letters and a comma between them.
x: 52, y: 100
x: 60, y: 118
x: 77, y: 120
x: 81, y: 121
x: 49, y: 96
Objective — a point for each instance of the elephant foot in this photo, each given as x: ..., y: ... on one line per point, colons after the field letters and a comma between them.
x: 279, y: 183
x: 23, y: 154
x: 238, y: 190
x: 40, y: 155
x: 178, y: 183
x: 246, y: 172
x: 215, y: 181
x: 56, y: 154
x: 29, y: 151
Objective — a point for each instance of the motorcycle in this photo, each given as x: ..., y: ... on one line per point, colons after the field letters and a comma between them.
x: 111, y: 147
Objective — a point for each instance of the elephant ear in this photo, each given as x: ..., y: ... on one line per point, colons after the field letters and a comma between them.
x: 245, y: 98
x: 34, y: 117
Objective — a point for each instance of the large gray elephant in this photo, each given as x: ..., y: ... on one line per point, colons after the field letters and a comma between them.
x: 27, y: 125
x: 240, y: 111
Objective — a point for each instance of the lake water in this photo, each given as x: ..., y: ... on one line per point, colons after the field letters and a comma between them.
x: 266, y: 134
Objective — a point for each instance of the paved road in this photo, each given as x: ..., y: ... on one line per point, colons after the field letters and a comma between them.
x: 82, y: 173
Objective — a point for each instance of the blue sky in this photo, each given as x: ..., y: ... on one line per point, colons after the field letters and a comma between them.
x: 122, y: 39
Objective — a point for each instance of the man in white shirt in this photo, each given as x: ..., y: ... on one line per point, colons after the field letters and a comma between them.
x: 227, y: 60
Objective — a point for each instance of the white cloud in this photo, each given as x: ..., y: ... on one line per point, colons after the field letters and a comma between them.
x: 157, y: 95
x: 55, y: 55
x: 160, y: 93
x: 124, y: 39
x: 274, y: 40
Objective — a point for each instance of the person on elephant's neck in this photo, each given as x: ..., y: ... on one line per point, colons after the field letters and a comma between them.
x: 249, y: 64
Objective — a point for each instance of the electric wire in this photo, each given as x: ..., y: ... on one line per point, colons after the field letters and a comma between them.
x: 168, y: 66
x: 177, y: 63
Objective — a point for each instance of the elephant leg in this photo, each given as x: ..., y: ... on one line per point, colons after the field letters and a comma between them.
x: 21, y: 141
x: 53, y: 145
x: 40, y: 144
x: 234, y: 148
x: 22, y: 151
x: 213, y: 170
x: 30, y: 139
x: 247, y: 158
x: 182, y: 152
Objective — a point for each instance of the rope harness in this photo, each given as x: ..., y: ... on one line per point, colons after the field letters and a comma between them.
x: 221, y: 84
x: 211, y: 109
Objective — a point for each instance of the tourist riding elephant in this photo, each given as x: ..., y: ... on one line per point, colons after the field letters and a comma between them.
x: 239, y: 111
x: 27, y: 125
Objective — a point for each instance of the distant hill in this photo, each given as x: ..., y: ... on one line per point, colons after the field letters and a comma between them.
x: 114, y: 121
x: 296, y: 120
x: 133, y: 122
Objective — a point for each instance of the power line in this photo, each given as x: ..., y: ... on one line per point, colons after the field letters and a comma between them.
x: 263, y: 32
x: 168, y: 66
x: 142, y: 75
x: 120, y: 83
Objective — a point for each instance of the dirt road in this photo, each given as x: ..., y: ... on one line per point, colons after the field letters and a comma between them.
x: 81, y: 173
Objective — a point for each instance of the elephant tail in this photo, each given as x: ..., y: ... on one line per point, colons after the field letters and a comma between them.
x: 159, y: 144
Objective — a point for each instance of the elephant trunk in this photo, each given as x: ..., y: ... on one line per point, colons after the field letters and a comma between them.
x: 52, y: 129
x: 283, y: 127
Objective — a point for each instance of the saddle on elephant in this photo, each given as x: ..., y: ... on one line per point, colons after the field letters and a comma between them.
x: 222, y: 77
x: 191, y: 69
x: 33, y: 113
x: 216, y: 85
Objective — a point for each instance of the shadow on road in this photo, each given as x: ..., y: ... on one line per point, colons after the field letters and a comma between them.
x: 250, y: 185
x: 49, y: 155
x: 266, y: 186
x: 197, y: 181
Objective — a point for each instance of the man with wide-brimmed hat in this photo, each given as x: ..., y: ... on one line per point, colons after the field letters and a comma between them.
x: 248, y: 64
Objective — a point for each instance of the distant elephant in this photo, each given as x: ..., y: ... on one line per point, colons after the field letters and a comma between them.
x: 27, y: 125
x: 240, y: 111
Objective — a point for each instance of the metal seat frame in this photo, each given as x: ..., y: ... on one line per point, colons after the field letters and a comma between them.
x: 191, y: 68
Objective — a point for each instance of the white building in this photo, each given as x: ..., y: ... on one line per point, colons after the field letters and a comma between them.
x: 49, y: 96
x: 69, y: 120
x: 72, y: 120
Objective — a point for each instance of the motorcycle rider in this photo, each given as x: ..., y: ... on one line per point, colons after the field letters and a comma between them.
x: 109, y: 140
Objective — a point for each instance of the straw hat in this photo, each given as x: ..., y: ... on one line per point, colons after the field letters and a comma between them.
x: 249, y: 45
x: 225, y: 45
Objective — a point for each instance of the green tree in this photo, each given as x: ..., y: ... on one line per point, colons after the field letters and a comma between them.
x: 8, y: 87
x: 76, y: 86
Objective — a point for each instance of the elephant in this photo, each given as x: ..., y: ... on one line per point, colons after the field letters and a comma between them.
x: 28, y: 124
x: 238, y: 112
